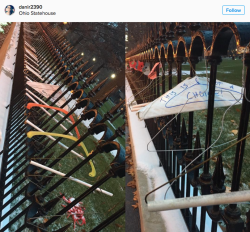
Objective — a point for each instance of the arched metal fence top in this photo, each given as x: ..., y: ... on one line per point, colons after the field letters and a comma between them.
x: 181, y: 49
x: 156, y: 54
x: 148, y: 54
x: 223, y: 35
x: 183, y: 45
x: 162, y: 52
x: 145, y: 55
x: 200, y: 41
x: 171, y: 48
x: 212, y: 42
x: 151, y: 53
x: 208, y: 42
x: 139, y: 56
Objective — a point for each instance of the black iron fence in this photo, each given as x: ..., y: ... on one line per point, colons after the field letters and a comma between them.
x: 44, y: 56
x: 212, y: 45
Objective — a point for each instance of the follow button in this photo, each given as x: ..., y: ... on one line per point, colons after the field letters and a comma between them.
x: 233, y: 10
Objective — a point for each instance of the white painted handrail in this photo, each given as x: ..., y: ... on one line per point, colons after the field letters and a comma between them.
x: 190, y: 202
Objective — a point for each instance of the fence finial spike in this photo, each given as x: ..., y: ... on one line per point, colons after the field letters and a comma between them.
x: 51, y: 204
x: 218, y: 176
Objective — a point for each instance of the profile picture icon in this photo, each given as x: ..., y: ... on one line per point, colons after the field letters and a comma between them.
x: 9, y: 10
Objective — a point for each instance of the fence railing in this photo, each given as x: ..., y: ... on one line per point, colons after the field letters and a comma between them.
x: 31, y: 138
x: 175, y: 144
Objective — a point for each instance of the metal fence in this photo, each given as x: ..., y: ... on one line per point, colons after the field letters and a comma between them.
x: 160, y: 47
x: 44, y: 56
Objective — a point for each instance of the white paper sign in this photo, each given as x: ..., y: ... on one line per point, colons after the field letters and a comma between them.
x: 46, y: 90
x: 191, y: 95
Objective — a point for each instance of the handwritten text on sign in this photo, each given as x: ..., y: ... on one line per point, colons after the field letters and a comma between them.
x: 190, y: 95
